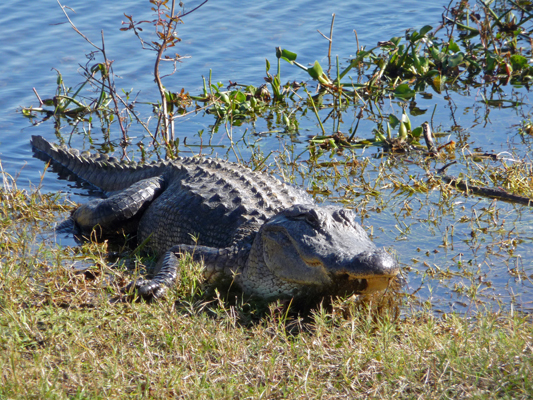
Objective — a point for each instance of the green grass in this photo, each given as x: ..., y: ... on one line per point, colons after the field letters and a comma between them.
x: 66, y: 334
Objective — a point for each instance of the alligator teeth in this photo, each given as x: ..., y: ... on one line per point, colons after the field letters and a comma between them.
x: 314, y: 263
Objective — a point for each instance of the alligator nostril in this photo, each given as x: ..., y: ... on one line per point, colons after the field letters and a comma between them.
x: 347, y: 215
x: 344, y: 277
x: 382, y: 262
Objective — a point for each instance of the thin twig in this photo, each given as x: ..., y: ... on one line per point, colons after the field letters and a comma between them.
x: 356, y: 40
x: 163, y: 112
x: 359, y: 116
x: 329, y: 39
x: 493, y: 193
x: 127, y: 107
x: 38, y: 97
x: 112, y: 92
x: 76, y: 29
x: 324, y: 36
x: 331, y: 35
x: 315, y: 110
x: 193, y: 10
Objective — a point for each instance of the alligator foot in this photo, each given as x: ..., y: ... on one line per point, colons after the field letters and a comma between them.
x: 147, y: 289
x: 157, y: 287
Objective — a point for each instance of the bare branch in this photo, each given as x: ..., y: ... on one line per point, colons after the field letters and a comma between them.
x: 194, y: 9
x: 76, y: 29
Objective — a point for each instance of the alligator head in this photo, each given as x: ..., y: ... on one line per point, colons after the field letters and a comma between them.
x: 307, y: 250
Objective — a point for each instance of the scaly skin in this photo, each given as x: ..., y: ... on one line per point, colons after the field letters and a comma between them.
x: 267, y: 237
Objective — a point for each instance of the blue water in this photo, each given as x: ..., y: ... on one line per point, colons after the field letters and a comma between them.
x: 233, y: 39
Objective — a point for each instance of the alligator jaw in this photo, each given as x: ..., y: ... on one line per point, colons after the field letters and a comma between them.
x: 355, y: 284
x: 371, y: 284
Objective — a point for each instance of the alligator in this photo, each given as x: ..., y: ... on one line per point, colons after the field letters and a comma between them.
x: 268, y: 238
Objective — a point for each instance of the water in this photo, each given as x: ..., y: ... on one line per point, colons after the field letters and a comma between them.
x: 233, y: 42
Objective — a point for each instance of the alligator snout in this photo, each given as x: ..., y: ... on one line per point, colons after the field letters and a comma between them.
x: 368, y: 272
x: 372, y: 263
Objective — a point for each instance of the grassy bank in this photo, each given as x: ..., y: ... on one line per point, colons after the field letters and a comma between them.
x: 66, y: 334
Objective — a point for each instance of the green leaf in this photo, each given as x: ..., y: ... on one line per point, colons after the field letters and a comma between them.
x: 288, y: 56
x: 239, y: 96
x: 437, y: 83
x: 425, y: 30
x: 267, y: 65
x: 404, y: 91
x: 424, y: 64
x: 473, y: 64
x: 394, y: 121
x: 453, y: 46
x: 315, y: 71
x: 455, y: 60
x: 417, y: 132
x: 286, y: 120
x: 437, y: 55
x: 224, y: 97
x: 416, y: 62
x: 402, y: 134
x: 406, y: 121
x: 396, y: 40
x: 491, y: 63
x: 171, y: 97
x: 518, y: 62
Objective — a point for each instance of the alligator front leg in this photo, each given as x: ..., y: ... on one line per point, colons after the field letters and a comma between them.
x: 113, y: 213
x: 216, y: 263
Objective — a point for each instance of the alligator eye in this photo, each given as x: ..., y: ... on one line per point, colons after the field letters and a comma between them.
x: 310, y: 217
x: 301, y: 217
x: 304, y: 213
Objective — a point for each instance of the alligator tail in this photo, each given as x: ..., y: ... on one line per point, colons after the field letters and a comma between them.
x: 106, y: 173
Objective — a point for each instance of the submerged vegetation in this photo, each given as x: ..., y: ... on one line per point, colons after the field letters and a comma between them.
x: 454, y: 207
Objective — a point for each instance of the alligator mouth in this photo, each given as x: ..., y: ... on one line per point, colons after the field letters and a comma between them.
x: 371, y: 284
x: 348, y: 284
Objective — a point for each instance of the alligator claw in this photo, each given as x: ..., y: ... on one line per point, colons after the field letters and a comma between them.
x: 147, y: 289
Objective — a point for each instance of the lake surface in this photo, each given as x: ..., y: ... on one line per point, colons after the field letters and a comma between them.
x: 233, y: 41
